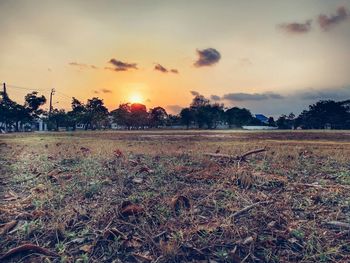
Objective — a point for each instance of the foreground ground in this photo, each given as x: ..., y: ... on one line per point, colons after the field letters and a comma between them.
x: 156, y: 197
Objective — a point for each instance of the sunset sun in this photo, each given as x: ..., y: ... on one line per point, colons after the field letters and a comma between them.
x: 135, y: 98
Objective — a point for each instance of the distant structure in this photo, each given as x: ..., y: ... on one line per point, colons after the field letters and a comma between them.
x: 262, y: 118
x: 259, y: 128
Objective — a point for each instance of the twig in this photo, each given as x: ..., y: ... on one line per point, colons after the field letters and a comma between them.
x: 338, y: 224
x: 243, y: 156
x: 247, y: 208
x: 7, y: 227
x: 233, y: 157
x: 28, y: 247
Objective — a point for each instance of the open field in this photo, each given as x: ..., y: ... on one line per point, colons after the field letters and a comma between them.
x: 154, y: 196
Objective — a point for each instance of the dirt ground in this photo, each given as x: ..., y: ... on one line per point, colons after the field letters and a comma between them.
x: 175, y: 196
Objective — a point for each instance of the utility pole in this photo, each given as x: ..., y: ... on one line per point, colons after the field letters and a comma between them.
x: 51, y: 94
x: 5, y: 92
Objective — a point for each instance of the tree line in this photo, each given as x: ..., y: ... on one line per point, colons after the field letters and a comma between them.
x: 201, y: 114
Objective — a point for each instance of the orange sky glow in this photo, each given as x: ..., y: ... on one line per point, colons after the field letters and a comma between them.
x: 272, y: 56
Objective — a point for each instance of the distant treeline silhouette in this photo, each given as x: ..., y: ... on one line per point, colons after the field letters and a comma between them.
x: 201, y: 114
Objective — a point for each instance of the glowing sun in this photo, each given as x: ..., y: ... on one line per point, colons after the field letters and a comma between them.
x: 136, y: 98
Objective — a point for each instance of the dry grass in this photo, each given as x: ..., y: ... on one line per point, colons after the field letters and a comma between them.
x: 155, y: 197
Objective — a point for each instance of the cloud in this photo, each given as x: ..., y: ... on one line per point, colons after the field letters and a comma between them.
x: 121, y: 66
x: 273, y: 95
x: 254, y: 96
x: 106, y: 91
x: 207, y: 57
x: 194, y: 93
x: 296, y: 28
x: 103, y: 91
x: 160, y: 68
x: 82, y: 65
x: 215, y: 97
x: 330, y: 93
x: 327, y: 22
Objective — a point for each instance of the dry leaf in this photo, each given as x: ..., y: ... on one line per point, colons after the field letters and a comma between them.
x: 86, y: 248
x: 118, y: 153
x: 180, y: 202
x: 131, y: 209
x: 133, y: 243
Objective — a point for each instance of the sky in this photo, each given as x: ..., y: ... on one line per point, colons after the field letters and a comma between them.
x: 272, y: 56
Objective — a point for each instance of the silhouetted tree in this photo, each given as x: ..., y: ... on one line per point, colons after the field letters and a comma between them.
x: 131, y: 115
x: 138, y: 115
x: 96, y: 114
x: 78, y: 113
x: 32, y: 103
x: 238, y: 117
x: 173, y: 120
x: 325, y: 113
x: 59, y: 118
x: 8, y: 111
x: 286, y: 122
x: 282, y: 122
x: 158, y: 117
x: 122, y: 115
x: 15, y: 115
x: 199, y: 101
x: 271, y: 122
x: 187, y: 116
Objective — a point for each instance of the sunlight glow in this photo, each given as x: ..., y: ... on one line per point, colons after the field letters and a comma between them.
x: 135, y: 98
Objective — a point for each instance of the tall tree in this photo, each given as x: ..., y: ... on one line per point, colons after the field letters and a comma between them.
x: 187, y: 117
x: 122, y: 115
x: 138, y: 115
x: 78, y: 113
x: 323, y: 114
x: 97, y: 113
x: 33, y: 102
x: 59, y: 118
x: 12, y: 113
x: 158, y: 117
x: 238, y: 117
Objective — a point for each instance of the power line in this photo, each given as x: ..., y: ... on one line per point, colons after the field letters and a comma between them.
x: 64, y: 95
x: 25, y: 88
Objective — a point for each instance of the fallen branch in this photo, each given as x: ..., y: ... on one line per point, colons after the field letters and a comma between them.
x: 247, y: 208
x: 243, y: 156
x: 233, y: 157
x: 338, y: 225
x: 26, y: 248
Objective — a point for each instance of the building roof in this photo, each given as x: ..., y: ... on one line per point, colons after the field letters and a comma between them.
x: 261, y: 117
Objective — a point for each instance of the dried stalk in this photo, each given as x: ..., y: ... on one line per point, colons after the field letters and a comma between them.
x: 247, y: 208
x: 239, y: 158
